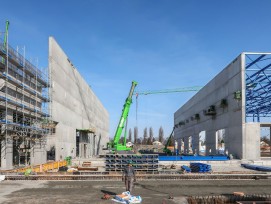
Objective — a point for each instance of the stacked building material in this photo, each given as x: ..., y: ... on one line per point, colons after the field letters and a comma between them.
x: 200, y: 167
x: 256, y: 167
x: 186, y: 168
x: 146, y: 162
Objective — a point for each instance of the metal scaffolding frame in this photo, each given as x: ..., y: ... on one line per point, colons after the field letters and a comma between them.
x: 24, y: 103
x: 258, y: 86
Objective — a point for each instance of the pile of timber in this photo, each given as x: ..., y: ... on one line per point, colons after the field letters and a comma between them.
x: 86, y: 166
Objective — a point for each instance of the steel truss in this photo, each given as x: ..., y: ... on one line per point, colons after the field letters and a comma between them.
x: 258, y: 86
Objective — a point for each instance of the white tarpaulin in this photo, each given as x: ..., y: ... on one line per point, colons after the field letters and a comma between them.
x: 127, y: 198
x: 2, y: 177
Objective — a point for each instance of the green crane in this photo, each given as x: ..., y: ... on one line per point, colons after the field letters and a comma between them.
x: 184, y: 89
x: 115, y: 145
x: 6, y: 33
x: 5, y: 39
x: 169, y: 147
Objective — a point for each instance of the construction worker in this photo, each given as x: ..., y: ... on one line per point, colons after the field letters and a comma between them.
x: 128, y: 176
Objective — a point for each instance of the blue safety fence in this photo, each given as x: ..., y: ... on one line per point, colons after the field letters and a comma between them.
x: 45, y: 131
x: 2, y: 98
x: 194, y: 158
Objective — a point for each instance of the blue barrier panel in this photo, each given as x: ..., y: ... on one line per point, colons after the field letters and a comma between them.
x: 193, y: 158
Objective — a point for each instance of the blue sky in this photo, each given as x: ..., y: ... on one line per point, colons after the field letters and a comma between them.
x: 161, y: 44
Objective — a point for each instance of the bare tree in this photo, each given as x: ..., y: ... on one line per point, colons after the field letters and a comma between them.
x: 135, y: 135
x: 265, y: 139
x: 139, y: 140
x: 150, y: 139
x: 130, y: 135
x: 145, y: 136
x: 161, y: 135
x: 151, y: 134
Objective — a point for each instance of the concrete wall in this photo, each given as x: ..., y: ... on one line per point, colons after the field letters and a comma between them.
x: 239, y: 136
x: 74, y: 105
x: 7, y: 153
x: 251, y: 141
x: 38, y: 153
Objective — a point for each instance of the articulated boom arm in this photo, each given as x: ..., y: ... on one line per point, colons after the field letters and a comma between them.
x: 123, y: 118
x: 167, y: 150
x: 169, y: 139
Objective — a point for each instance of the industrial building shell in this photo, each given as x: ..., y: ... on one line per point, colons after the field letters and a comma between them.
x: 235, y: 104
x: 81, y: 121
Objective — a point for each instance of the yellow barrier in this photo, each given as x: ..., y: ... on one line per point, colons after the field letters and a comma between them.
x: 44, y: 167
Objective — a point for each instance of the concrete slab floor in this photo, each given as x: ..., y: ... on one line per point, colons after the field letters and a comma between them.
x: 150, y: 191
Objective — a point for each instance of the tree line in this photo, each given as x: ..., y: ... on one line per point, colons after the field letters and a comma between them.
x: 148, y: 136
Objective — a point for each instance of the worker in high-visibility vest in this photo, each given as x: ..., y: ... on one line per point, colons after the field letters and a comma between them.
x: 128, y: 176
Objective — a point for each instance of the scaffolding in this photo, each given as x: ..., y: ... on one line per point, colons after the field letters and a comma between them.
x: 24, y: 104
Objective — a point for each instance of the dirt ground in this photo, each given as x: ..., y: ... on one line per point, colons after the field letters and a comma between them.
x: 150, y: 191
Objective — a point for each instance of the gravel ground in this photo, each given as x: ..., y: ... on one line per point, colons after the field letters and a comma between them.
x: 150, y: 191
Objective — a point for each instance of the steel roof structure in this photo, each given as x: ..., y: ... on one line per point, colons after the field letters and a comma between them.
x: 258, y: 86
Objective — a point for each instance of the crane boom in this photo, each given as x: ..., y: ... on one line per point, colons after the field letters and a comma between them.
x: 185, y: 89
x: 167, y: 148
x: 5, y: 38
x: 125, y: 111
x: 6, y: 33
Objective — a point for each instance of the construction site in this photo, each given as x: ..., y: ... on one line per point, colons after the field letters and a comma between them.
x: 54, y: 137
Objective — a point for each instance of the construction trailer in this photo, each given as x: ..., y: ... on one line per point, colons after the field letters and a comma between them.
x: 24, y: 108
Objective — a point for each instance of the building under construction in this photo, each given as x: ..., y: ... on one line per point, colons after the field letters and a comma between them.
x: 23, y: 109
x: 47, y: 115
x: 231, y: 113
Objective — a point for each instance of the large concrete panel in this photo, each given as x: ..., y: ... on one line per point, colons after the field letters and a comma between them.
x: 251, y: 141
x: 74, y: 106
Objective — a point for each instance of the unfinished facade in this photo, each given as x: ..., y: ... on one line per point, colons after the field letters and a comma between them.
x: 81, y: 123
x: 23, y: 110
x: 227, y: 116
x: 47, y: 115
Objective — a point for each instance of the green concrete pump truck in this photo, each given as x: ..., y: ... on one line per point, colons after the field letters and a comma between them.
x: 115, y: 144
